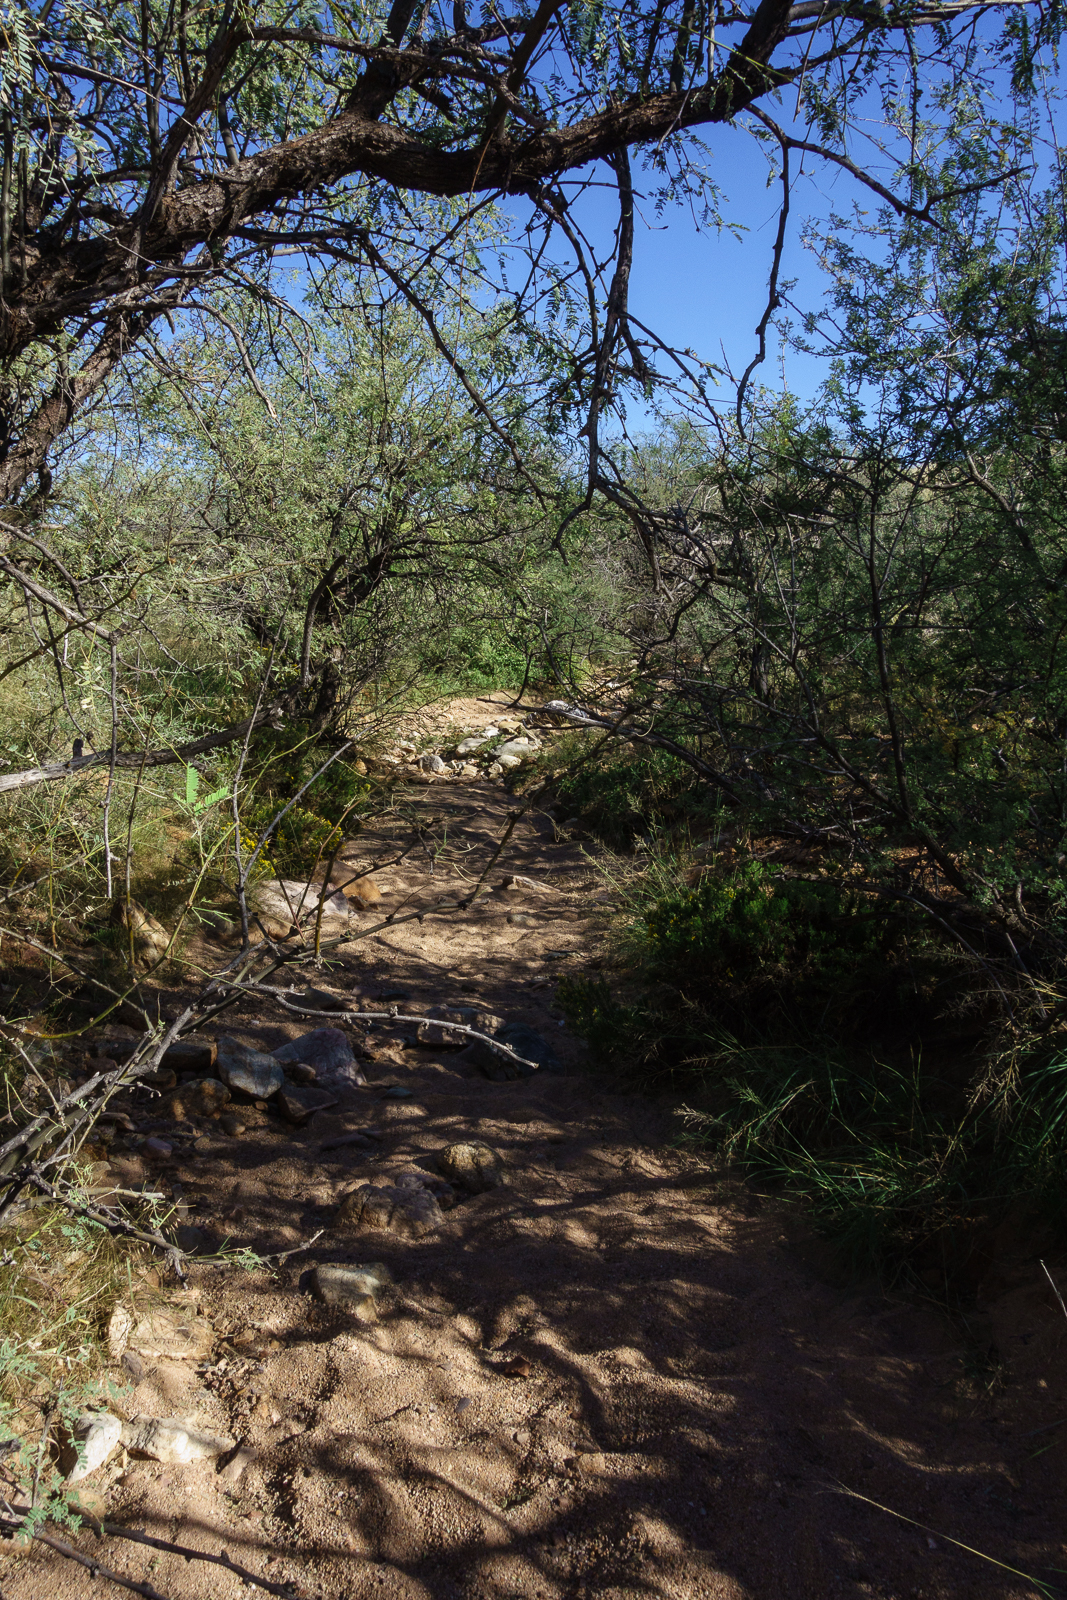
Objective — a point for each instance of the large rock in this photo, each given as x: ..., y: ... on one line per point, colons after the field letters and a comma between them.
x: 472, y: 1166
x: 410, y: 1212
x: 177, y: 1439
x: 353, y: 1288
x: 251, y: 1072
x: 327, y: 1050
x: 283, y: 904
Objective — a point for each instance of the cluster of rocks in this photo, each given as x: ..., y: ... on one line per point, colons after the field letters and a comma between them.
x: 208, y: 1087
x: 490, y: 752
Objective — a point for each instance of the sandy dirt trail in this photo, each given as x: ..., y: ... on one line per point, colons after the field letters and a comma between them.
x: 618, y: 1375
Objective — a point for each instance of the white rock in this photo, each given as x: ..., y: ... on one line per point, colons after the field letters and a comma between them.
x: 98, y: 1433
x: 475, y: 741
x: 118, y: 1332
x: 179, y: 1439
x: 284, y: 900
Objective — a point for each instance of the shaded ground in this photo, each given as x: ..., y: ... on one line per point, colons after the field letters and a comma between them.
x: 699, y: 1391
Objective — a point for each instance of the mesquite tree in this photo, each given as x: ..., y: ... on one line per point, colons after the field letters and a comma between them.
x: 152, y: 152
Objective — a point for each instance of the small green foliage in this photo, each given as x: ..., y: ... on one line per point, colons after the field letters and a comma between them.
x: 754, y: 918
x: 620, y: 795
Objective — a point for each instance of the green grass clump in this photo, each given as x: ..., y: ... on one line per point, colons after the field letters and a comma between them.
x: 837, y: 1051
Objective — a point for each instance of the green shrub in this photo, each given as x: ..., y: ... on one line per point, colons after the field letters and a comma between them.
x: 754, y: 918
x: 622, y: 796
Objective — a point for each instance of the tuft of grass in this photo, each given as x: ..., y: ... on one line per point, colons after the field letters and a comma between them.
x: 833, y: 1051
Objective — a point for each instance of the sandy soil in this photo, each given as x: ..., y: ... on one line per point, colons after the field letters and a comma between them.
x: 696, y: 1394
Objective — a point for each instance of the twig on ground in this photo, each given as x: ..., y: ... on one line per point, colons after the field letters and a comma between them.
x: 1055, y: 1291
x: 96, y: 1568
x: 113, y: 1530
x: 296, y: 1249
x: 1042, y: 1588
x: 388, y: 1016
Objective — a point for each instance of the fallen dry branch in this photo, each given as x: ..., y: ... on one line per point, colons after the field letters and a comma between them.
x: 112, y: 1221
x: 113, y: 1530
x: 388, y: 1016
x: 95, y: 1568
x: 139, y: 759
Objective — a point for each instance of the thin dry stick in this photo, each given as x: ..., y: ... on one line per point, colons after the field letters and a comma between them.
x: 389, y: 1016
x: 111, y: 1221
x: 1055, y: 1291
x: 113, y: 1530
x: 96, y: 1568
x: 111, y: 767
x: 1043, y: 1588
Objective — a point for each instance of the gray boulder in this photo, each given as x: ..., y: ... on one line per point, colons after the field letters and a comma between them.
x: 248, y: 1071
x: 327, y: 1050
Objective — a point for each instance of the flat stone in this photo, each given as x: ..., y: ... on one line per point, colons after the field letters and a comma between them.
x: 472, y: 1166
x: 251, y: 1072
x: 172, y: 1334
x: 300, y: 1105
x: 329, y: 1051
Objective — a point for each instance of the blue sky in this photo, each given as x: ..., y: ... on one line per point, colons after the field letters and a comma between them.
x: 704, y: 288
